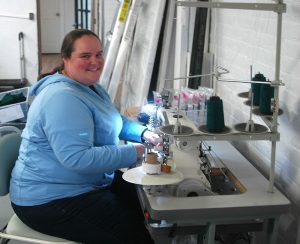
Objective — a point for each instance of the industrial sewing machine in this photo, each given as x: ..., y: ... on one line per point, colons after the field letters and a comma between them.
x: 211, y: 188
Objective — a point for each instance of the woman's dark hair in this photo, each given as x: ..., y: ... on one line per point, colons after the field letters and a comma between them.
x: 67, y: 47
x: 68, y: 43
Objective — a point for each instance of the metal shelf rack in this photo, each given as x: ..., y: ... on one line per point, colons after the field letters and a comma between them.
x: 279, y: 8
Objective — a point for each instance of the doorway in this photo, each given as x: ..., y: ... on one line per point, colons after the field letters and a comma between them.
x: 51, y: 25
x: 56, y: 19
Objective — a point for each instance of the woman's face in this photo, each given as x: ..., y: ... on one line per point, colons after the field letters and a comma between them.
x: 86, y: 62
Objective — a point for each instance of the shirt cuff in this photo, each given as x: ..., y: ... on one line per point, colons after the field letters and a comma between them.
x: 142, y: 135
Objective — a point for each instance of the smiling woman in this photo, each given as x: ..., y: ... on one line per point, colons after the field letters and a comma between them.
x: 66, y: 181
x: 85, y: 63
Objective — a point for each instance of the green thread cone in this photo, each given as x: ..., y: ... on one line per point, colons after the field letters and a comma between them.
x: 255, y: 87
x: 215, y: 115
x: 266, y: 95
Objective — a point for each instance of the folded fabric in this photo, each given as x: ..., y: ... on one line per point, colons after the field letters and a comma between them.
x: 12, y: 98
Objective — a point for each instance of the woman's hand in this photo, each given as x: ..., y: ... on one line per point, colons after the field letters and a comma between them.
x: 140, y: 150
x: 151, y: 137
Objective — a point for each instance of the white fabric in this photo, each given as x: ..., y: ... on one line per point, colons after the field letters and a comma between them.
x: 124, y: 48
x: 151, y: 169
x: 113, y: 49
x: 141, y: 61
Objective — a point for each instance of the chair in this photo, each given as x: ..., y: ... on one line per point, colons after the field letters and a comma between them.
x: 15, y: 228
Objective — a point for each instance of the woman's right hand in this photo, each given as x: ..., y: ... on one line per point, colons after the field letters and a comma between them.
x: 140, y: 150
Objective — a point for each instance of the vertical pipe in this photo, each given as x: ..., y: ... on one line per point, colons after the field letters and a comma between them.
x: 93, y: 17
x: 76, y: 14
x: 165, y: 59
x: 86, y: 14
x: 180, y: 46
x: 276, y: 98
x: 81, y: 13
x: 102, y: 21
x: 22, y: 57
x: 188, y: 49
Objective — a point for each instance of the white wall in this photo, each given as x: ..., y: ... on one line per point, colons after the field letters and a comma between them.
x: 9, y: 42
x: 242, y: 38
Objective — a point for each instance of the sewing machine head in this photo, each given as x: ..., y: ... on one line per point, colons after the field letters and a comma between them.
x: 203, y: 172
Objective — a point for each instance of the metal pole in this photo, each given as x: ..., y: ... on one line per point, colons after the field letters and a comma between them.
x: 76, y: 14
x: 81, y: 14
x: 86, y: 15
x: 22, y: 57
x: 166, y: 46
x: 276, y: 98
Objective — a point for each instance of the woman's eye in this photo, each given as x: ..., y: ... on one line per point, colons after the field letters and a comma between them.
x: 85, y: 56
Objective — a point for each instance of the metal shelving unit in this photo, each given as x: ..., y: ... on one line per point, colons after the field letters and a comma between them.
x: 273, y: 135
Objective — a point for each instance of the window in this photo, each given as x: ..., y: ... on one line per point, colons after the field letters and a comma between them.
x: 83, y: 14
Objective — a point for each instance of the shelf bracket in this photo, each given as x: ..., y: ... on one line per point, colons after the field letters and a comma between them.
x: 276, y: 7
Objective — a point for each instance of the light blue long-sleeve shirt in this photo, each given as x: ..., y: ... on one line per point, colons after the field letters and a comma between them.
x: 70, y: 144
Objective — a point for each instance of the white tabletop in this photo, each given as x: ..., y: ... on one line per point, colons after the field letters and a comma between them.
x: 256, y: 201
